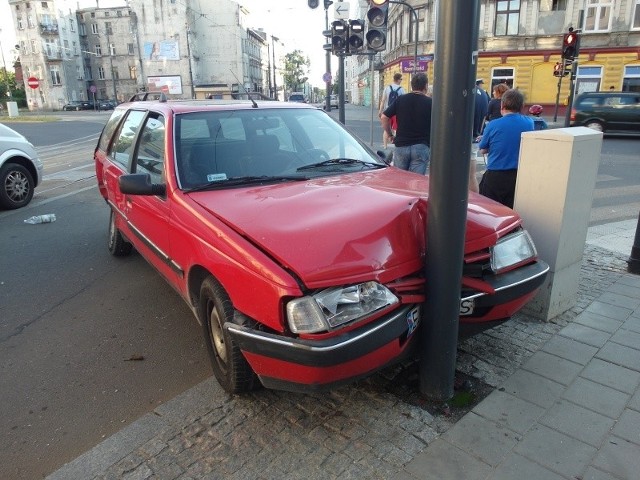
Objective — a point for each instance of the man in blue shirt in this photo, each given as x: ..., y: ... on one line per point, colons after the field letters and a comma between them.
x: 501, y: 141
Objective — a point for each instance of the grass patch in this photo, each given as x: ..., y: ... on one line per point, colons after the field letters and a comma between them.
x: 29, y: 118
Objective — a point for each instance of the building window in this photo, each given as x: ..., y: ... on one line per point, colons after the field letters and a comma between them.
x: 130, y: 49
x: 72, y: 25
x: 133, y: 72
x: 553, y: 5
x: 34, y: 48
x: 18, y: 7
x: 30, y: 22
x: 101, y: 73
x: 44, y: 5
x: 112, y: 49
x: 55, y: 75
x: 20, y: 24
x: 94, y: 28
x: 107, y: 27
x: 501, y: 75
x: 87, y: 73
x: 67, y: 50
x: 631, y: 80
x: 119, y: 13
x: 23, y: 47
x: 82, y: 29
x: 635, y: 25
x: 107, y: 13
x: 98, y: 50
x: 507, y: 17
x: 93, y: 15
x: 79, y: 73
x: 114, y: 73
x: 588, y: 79
x: 75, y: 48
x: 598, y: 16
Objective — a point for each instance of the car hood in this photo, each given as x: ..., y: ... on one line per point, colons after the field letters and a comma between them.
x: 346, y: 228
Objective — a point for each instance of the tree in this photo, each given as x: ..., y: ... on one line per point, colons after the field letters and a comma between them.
x: 296, y: 69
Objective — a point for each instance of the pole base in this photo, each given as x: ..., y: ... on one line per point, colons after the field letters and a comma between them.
x: 633, y: 265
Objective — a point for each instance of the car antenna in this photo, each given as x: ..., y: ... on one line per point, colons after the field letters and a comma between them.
x: 253, y: 102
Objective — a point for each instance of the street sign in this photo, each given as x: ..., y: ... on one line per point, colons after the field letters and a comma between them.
x: 341, y: 10
x: 326, y: 78
x: 33, y: 82
x: 93, y: 89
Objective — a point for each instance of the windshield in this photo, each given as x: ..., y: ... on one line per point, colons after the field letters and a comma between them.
x: 215, y: 147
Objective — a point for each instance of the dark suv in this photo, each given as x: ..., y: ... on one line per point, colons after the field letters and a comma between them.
x: 611, y: 112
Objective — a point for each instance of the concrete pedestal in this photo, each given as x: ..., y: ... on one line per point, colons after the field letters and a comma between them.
x: 12, y: 109
x: 556, y: 179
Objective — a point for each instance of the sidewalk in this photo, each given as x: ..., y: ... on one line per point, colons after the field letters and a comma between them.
x: 565, y: 405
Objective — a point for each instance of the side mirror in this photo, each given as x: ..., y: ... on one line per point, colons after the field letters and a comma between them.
x: 140, y: 184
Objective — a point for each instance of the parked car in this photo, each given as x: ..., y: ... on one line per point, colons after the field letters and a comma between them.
x: 20, y: 169
x: 298, y: 97
x: 609, y: 112
x: 107, y: 104
x: 78, y: 105
x: 334, y: 101
x: 298, y: 249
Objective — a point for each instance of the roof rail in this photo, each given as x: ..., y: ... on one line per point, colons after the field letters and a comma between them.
x: 144, y: 96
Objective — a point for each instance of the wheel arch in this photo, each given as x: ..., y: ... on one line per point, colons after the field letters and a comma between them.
x: 25, y: 162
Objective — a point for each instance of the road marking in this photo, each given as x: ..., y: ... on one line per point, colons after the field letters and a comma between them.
x: 36, y: 204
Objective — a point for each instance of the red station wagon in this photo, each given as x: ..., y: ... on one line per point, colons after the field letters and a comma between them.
x: 298, y: 249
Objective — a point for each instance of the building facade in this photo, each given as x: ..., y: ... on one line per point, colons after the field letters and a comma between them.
x: 186, y: 48
x: 520, y: 42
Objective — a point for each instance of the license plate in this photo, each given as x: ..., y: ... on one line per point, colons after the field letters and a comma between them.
x: 466, y: 307
x: 413, y: 319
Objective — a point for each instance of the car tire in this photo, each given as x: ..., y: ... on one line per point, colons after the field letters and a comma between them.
x: 117, y: 245
x: 594, y: 125
x: 16, y: 186
x: 229, y: 365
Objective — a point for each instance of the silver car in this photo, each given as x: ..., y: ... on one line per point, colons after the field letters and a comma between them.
x: 20, y: 169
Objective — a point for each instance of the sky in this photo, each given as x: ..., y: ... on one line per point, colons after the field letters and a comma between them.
x: 298, y: 27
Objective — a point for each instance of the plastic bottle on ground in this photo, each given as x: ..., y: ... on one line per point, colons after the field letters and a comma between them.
x: 47, y: 218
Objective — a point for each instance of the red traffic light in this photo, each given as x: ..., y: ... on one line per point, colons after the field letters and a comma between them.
x: 570, y: 45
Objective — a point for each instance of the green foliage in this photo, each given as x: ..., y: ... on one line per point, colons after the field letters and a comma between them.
x: 296, y: 69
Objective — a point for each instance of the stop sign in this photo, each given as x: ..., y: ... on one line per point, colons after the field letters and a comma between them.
x: 33, y: 82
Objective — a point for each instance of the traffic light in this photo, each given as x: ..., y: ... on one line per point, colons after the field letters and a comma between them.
x: 567, y: 66
x: 356, y: 35
x: 327, y: 4
x: 339, y: 37
x: 377, y: 15
x: 570, y: 45
x: 557, y: 69
x: 313, y: 3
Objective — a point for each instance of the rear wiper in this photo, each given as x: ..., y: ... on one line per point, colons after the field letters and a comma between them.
x: 250, y: 180
x: 339, y: 161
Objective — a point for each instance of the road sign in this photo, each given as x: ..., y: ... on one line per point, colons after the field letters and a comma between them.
x: 326, y: 78
x: 341, y: 10
x: 33, y: 82
x: 93, y: 89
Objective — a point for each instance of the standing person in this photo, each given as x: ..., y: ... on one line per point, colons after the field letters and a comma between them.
x: 493, y: 110
x: 480, y: 108
x: 501, y: 140
x: 413, y: 137
x: 389, y: 96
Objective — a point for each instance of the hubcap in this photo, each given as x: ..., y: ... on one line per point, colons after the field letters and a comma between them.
x: 217, y: 336
x: 17, y: 186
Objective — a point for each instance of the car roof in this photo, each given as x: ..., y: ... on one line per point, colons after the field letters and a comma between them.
x: 189, y: 106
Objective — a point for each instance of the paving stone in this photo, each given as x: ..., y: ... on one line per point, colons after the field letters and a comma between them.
x: 612, y: 375
x: 627, y: 337
x: 588, y: 335
x: 509, y: 411
x: 611, y: 311
x: 628, y: 426
x: 635, y: 401
x: 618, y: 457
x: 620, y: 355
x: 623, y: 300
x: 533, y: 388
x: 518, y: 467
x: 626, y: 289
x: 632, y: 323
x: 578, y: 422
x: 599, y: 322
x: 553, y: 367
x: 597, y: 397
x: 595, y: 474
x: 444, y: 461
x: 560, y: 453
x: 483, y: 438
x: 570, y: 349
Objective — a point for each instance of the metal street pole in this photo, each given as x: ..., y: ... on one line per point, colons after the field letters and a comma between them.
x: 193, y: 92
x: 455, y: 64
x: 273, y: 52
x: 327, y: 97
x: 341, y: 86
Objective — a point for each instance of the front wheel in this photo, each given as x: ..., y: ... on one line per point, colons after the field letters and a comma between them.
x: 118, y: 246
x: 229, y: 365
x: 595, y: 125
x: 16, y: 186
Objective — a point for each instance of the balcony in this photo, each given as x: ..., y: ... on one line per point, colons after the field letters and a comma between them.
x: 49, y: 28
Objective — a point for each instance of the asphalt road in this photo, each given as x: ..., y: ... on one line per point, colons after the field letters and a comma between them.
x: 88, y: 342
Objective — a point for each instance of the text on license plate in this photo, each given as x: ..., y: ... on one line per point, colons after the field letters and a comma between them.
x: 466, y: 307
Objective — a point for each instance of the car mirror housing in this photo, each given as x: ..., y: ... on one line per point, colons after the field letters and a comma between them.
x: 140, y: 184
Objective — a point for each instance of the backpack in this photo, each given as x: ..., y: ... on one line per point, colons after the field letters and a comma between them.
x: 393, y: 95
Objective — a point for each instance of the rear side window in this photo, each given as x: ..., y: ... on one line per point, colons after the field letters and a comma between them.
x: 150, y: 154
x: 589, y: 102
x: 109, y: 128
x: 122, y: 147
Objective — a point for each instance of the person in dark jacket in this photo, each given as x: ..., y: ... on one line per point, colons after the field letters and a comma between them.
x: 480, y: 109
x: 493, y: 111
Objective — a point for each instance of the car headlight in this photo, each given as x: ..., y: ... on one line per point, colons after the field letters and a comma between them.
x: 512, y: 250
x: 333, y: 307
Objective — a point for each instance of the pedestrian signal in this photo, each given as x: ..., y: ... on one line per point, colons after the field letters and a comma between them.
x: 570, y: 45
x: 377, y: 15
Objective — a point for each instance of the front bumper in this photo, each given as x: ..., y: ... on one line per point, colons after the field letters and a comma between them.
x: 291, y: 363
